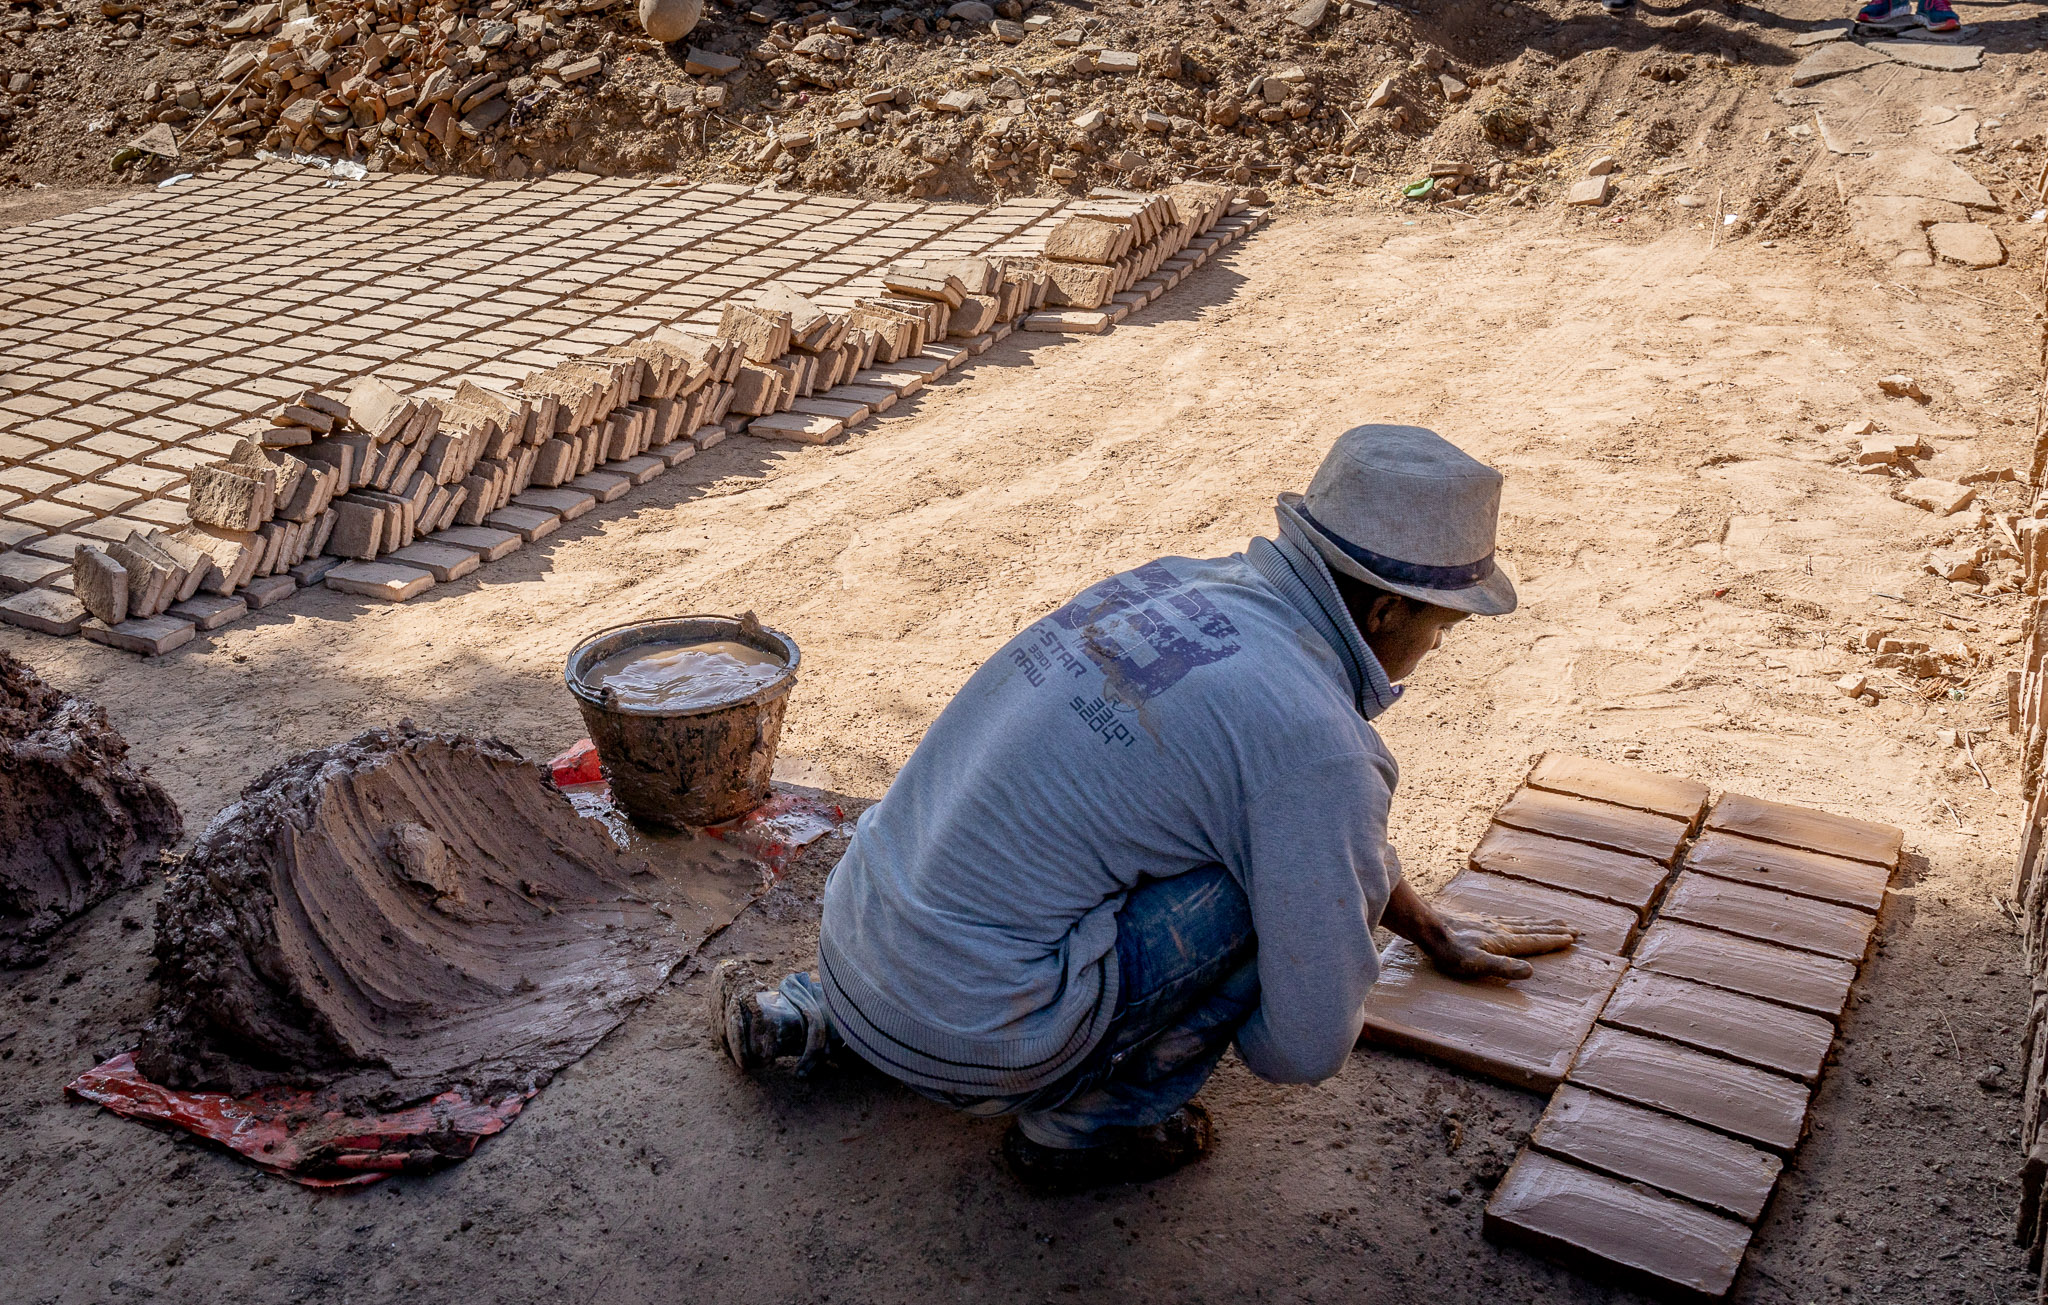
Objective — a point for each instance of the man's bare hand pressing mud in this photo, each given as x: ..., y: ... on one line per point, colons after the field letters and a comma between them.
x: 1472, y: 946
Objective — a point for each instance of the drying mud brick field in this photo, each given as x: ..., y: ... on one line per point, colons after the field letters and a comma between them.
x: 1766, y: 406
x: 1696, y: 565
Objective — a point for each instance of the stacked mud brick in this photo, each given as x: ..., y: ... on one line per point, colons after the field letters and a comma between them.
x: 1682, y: 1037
x: 2027, y: 709
x: 406, y: 476
x: 806, y: 372
x: 1119, y: 251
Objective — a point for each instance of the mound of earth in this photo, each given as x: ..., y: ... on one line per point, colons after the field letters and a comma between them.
x: 78, y: 821
x: 968, y: 100
x: 396, y: 916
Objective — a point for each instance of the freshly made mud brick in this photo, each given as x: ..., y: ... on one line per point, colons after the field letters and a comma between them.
x: 641, y: 469
x: 568, y: 504
x: 529, y: 523
x: 852, y: 414
x: 603, y: 485
x: 228, y: 500
x: 1798, y: 979
x: 208, y: 611
x: 1772, y: 865
x: 801, y: 427
x: 445, y: 562
x: 879, y: 398
x: 152, y: 636
x: 392, y: 583
x: 314, y: 570
x: 1603, y: 824
x: 358, y: 529
x: 260, y: 594
x: 487, y: 543
x: 1649, y: 1146
x: 1072, y: 321
x: 1768, y: 1109
x: 1603, y: 926
x: 1607, y: 781
x: 46, y: 611
x: 1590, y: 1221
x: 1523, y: 1033
x: 1770, y: 916
x: 20, y: 572
x: 101, y: 584
x: 1748, y: 1029
x: 1816, y: 831
x: 902, y: 383
x: 1631, y: 881
x: 1085, y: 240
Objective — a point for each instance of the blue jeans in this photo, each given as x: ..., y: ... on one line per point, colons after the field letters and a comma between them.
x: 1187, y: 959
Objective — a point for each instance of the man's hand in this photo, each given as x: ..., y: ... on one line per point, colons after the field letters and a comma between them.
x: 1473, y: 947
x: 1479, y: 947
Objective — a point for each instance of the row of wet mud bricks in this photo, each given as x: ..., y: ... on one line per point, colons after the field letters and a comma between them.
x: 131, y: 334
x: 383, y: 494
x: 1684, y: 1034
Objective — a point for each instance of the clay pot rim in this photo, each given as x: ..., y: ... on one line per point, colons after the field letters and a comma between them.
x: 655, y: 628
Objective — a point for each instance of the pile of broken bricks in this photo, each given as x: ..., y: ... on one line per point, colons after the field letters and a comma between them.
x: 382, y: 493
x: 1682, y: 1037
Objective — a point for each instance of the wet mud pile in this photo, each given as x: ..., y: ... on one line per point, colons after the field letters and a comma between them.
x: 396, y: 916
x: 78, y: 821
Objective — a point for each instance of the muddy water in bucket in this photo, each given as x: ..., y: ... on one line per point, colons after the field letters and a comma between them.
x: 685, y: 713
x: 675, y: 676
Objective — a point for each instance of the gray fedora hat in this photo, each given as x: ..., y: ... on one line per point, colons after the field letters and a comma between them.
x: 1405, y: 510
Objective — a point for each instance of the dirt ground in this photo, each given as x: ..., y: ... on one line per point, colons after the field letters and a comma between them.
x: 1694, y: 563
x: 1537, y: 87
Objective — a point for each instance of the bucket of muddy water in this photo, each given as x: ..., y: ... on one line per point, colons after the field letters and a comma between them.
x: 685, y: 712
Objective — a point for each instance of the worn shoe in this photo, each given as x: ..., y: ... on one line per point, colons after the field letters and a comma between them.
x: 1135, y: 1155
x: 1937, y: 16
x: 737, y: 1024
x: 1890, y: 15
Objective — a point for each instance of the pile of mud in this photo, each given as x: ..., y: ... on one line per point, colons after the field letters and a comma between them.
x: 78, y: 822
x: 396, y: 916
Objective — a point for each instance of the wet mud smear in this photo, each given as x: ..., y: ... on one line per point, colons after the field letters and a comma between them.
x: 395, y: 916
x: 78, y: 821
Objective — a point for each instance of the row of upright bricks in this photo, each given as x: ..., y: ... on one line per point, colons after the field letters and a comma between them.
x: 2030, y: 876
x: 329, y: 479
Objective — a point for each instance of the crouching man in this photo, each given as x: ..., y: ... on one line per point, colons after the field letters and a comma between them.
x: 1153, y: 825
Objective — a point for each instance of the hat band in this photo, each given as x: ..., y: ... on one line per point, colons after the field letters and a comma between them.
x: 1404, y: 573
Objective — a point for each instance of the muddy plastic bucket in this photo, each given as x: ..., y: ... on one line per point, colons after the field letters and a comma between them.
x: 700, y: 765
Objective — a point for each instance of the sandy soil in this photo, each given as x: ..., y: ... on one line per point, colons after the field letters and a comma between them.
x: 1693, y: 564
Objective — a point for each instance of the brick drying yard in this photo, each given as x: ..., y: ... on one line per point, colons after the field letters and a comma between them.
x: 291, y: 452
x: 472, y: 354
x: 1700, y: 563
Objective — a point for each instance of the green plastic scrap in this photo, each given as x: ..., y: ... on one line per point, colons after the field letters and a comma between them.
x: 1420, y: 189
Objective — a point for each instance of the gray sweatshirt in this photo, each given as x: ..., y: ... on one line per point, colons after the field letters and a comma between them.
x: 1187, y: 713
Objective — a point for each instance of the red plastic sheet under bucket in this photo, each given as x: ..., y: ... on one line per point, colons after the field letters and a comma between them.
x: 296, y: 1134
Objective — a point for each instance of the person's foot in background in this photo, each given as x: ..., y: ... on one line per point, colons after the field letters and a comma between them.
x: 1889, y: 15
x: 1937, y: 16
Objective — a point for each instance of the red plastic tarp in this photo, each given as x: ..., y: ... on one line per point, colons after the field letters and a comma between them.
x: 773, y: 833
x: 298, y: 1134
